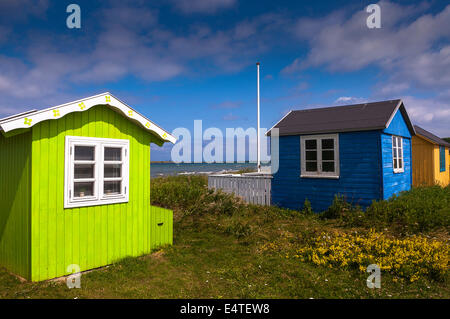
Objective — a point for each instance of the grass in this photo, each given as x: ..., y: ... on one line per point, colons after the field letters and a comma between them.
x: 421, y: 209
x: 217, y: 254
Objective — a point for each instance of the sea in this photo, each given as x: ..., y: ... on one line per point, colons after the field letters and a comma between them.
x: 164, y: 169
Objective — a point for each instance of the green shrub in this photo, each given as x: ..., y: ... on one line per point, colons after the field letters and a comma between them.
x: 420, y: 209
x: 239, y: 229
x: 338, y: 209
x: 307, y: 209
x: 190, y: 195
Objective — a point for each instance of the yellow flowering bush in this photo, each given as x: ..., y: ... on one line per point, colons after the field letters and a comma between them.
x: 410, y: 258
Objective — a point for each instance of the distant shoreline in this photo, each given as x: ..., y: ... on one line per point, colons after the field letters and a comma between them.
x: 163, y: 168
x: 202, y: 163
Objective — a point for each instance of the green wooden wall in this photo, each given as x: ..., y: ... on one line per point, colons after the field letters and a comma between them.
x: 15, y: 173
x: 90, y: 236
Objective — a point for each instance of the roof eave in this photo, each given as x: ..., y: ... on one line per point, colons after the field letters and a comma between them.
x: 20, y: 121
x: 333, y: 131
x: 268, y: 132
x: 402, y: 108
x: 443, y: 143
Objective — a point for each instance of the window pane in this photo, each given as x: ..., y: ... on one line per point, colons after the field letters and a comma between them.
x: 311, y: 155
x: 400, y: 163
x: 112, y: 188
x: 113, y: 170
x: 84, y: 171
x: 328, y: 144
x: 310, y: 144
x: 328, y: 155
x: 311, y: 166
x: 328, y: 166
x: 394, y: 141
x: 395, y: 164
x: 83, y: 189
x: 113, y: 154
x: 84, y: 153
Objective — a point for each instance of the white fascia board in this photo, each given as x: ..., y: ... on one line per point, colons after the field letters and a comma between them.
x: 278, y: 122
x: 29, y: 120
x: 393, y: 114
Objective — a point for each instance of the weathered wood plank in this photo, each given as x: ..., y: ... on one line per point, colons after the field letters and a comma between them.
x: 254, y: 189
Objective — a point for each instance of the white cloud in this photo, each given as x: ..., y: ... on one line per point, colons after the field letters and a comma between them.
x: 230, y: 117
x: 429, y: 113
x: 411, y: 50
x: 19, y: 10
x: 202, y: 6
x: 350, y: 100
x: 393, y: 88
x: 51, y: 64
x: 409, y: 44
x: 142, y: 47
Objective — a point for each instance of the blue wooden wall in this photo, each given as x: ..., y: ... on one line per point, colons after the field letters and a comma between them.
x: 360, y: 173
x: 394, y: 183
x: 398, y: 126
x: 366, y: 171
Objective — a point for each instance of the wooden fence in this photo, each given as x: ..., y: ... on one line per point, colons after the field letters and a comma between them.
x: 254, y: 189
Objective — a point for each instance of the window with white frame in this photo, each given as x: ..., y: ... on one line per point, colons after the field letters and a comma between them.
x: 96, y: 171
x: 397, y: 154
x: 320, y: 156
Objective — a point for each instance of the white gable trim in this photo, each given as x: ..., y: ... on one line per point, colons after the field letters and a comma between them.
x: 30, y: 119
x: 393, y: 114
x: 278, y: 122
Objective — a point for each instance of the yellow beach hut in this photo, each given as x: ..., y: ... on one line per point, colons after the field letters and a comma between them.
x: 430, y: 159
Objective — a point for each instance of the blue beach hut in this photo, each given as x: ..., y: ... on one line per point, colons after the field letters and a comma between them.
x: 362, y: 152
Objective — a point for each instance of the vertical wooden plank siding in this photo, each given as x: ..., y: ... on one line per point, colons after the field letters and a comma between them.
x: 394, y: 183
x: 359, y: 181
x: 162, y: 227
x: 423, y: 162
x: 89, y: 236
x: 441, y: 178
x: 15, y: 173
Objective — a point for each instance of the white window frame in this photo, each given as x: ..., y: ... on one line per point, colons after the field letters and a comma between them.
x: 99, y: 198
x: 398, y: 151
x: 319, y: 173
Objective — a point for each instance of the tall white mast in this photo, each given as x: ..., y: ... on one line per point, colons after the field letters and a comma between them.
x: 258, y: 146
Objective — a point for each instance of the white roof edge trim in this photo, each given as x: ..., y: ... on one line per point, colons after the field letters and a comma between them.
x: 8, y: 118
x: 278, y: 122
x: 57, y: 112
x: 400, y: 103
x: 393, y: 114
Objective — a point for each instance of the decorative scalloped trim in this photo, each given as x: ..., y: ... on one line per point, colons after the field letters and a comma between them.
x: 57, y: 112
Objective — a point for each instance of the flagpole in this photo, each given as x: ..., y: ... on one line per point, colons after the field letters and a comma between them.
x: 258, y: 145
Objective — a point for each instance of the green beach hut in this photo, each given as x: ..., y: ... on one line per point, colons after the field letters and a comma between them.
x: 75, y: 188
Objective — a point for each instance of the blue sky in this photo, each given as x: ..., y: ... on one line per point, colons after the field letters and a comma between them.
x: 176, y: 61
